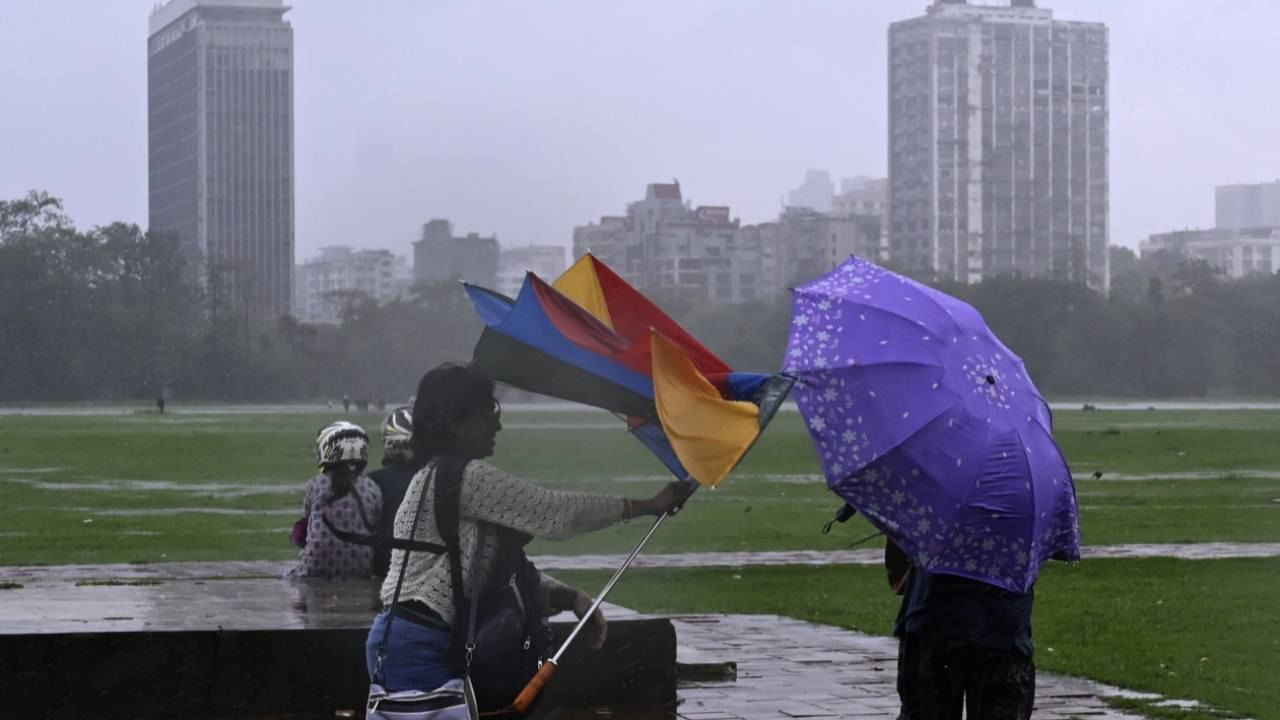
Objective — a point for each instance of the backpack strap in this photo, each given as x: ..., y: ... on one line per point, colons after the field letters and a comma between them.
x: 375, y: 540
x: 448, y: 510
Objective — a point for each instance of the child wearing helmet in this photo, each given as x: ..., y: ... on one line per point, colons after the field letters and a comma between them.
x: 347, y: 498
x: 393, y: 478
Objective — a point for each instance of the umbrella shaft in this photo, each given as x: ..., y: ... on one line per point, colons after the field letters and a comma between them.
x: 607, y: 587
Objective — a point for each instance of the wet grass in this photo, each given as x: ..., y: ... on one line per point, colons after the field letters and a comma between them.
x: 1185, y: 629
x: 64, y: 479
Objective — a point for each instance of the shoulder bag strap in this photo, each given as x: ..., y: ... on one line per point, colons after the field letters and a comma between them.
x: 395, y: 596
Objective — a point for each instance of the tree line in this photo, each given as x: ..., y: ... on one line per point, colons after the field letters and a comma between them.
x: 111, y: 314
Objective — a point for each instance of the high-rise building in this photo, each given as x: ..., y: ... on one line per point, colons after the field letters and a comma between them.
x: 545, y: 261
x: 998, y: 147
x: 1247, y: 206
x: 220, y: 143
x: 440, y: 255
x: 340, y: 274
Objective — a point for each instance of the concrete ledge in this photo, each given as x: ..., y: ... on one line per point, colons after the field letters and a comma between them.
x: 294, y: 673
x: 180, y: 641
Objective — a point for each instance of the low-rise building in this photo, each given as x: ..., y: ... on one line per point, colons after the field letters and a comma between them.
x: 802, y: 245
x: 1247, y: 205
x: 326, y: 283
x: 1238, y: 253
x: 441, y: 255
x: 546, y: 261
x: 663, y: 243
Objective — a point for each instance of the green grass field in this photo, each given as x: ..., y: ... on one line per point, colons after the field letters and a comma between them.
x: 141, y: 488
x: 114, y: 489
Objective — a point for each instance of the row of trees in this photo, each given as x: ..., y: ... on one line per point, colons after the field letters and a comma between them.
x: 110, y: 314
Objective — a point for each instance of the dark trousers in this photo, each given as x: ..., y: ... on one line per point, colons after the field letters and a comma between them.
x: 936, y: 681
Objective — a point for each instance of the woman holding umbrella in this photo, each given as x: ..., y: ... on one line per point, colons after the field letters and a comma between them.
x: 483, y: 524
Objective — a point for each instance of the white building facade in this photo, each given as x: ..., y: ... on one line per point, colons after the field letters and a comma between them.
x: 546, y: 261
x: 1237, y: 253
x: 998, y: 143
x: 339, y: 274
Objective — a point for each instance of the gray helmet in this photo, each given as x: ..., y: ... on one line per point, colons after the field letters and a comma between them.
x: 397, y: 436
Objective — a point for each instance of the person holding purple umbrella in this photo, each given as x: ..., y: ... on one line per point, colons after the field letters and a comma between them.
x: 931, y: 428
x: 963, y: 644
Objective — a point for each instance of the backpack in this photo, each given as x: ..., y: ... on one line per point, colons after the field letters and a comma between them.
x: 509, y: 634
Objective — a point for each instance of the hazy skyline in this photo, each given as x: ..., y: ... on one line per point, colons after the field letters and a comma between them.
x: 526, y: 119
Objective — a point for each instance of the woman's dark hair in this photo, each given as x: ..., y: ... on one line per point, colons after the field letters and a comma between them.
x: 447, y: 393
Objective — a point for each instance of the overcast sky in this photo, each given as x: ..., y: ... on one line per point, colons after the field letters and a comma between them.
x: 528, y: 118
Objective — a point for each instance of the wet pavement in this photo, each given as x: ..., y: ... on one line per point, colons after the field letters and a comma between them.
x: 793, y: 669
x: 257, y: 569
x: 785, y: 668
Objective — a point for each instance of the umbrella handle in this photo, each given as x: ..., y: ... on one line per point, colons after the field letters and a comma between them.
x: 525, y: 699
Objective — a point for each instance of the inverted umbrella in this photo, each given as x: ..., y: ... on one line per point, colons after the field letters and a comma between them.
x: 548, y: 342
x: 928, y: 425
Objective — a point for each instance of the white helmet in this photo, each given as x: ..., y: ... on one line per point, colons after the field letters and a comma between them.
x: 397, y: 435
x: 341, y: 442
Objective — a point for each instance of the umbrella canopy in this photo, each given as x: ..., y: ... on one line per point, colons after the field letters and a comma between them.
x: 605, y: 345
x: 928, y: 425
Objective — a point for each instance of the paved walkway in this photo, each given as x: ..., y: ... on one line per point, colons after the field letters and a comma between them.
x: 786, y: 668
x: 793, y: 669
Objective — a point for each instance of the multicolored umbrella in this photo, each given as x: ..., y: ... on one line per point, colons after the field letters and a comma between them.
x: 928, y: 425
x: 590, y: 339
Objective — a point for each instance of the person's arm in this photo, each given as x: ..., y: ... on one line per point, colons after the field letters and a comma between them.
x: 558, y: 597
x: 897, y: 566
x: 491, y: 495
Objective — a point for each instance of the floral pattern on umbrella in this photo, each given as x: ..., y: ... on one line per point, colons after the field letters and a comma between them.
x: 927, y: 424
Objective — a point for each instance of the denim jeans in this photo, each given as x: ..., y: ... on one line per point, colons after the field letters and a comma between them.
x: 417, y: 656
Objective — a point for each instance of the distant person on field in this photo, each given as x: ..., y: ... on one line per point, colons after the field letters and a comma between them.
x: 347, y: 498
x: 346, y: 403
x: 398, y: 469
x: 963, y: 645
x: 160, y: 403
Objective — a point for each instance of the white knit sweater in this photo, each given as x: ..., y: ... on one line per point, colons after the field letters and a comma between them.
x: 490, y: 496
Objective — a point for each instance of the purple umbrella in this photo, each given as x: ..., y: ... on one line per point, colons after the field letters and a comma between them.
x: 928, y: 425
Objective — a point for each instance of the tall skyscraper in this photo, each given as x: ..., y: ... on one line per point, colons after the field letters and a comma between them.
x: 220, y: 141
x: 998, y: 149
